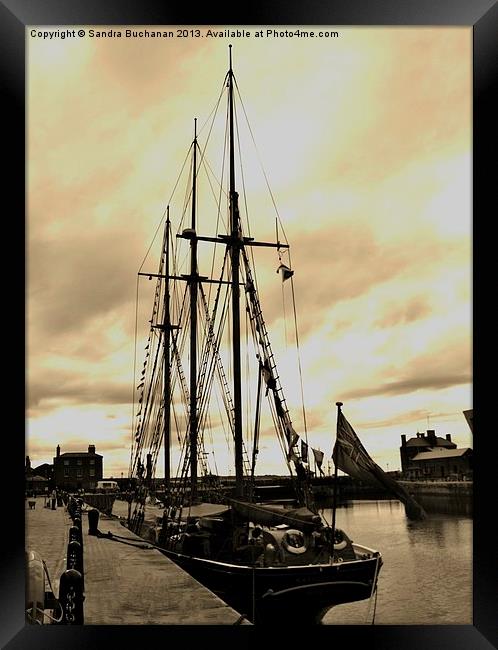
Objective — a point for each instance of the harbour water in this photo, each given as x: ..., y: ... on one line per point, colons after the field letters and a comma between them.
x: 426, y: 578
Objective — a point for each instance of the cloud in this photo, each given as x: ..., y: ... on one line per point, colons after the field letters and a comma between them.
x: 444, y: 367
x: 412, y: 310
x: 77, y: 279
x: 51, y: 389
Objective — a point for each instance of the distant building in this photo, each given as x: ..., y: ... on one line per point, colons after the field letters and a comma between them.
x: 36, y: 484
x: 77, y: 470
x: 430, y: 456
x: 45, y: 470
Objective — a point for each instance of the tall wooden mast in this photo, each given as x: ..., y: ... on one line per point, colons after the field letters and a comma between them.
x: 235, y: 244
x: 167, y: 364
x: 193, y: 328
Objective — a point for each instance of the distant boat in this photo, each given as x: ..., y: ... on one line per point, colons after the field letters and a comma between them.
x: 266, y: 561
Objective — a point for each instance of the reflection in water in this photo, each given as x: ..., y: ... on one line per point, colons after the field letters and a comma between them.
x: 426, y: 578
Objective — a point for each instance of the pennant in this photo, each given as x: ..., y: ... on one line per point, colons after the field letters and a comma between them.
x: 286, y: 272
x: 268, y: 377
x: 351, y: 457
x: 318, y: 459
x: 304, y: 451
x: 291, y: 435
x: 292, y: 455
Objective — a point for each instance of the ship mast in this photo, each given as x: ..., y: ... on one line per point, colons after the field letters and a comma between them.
x: 193, y: 329
x: 167, y: 369
x: 235, y: 244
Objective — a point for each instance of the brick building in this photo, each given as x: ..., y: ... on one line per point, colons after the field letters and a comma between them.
x: 430, y: 456
x: 77, y: 470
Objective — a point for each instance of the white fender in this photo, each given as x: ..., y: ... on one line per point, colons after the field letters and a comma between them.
x: 35, y: 587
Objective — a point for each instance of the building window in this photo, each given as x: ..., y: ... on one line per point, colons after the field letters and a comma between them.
x: 79, y: 461
x: 79, y: 472
x: 92, y: 461
x: 92, y: 472
x: 66, y: 472
x: 66, y: 462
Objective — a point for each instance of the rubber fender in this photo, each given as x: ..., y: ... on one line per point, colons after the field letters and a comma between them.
x: 35, y: 586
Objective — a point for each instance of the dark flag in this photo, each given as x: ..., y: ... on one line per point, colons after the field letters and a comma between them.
x: 286, y: 272
x: 304, y: 451
x: 469, y: 416
x: 318, y: 459
x: 351, y: 457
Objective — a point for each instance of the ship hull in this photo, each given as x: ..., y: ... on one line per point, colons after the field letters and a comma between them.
x: 266, y: 594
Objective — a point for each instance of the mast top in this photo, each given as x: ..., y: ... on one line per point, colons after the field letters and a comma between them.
x: 230, y: 56
x: 338, y: 404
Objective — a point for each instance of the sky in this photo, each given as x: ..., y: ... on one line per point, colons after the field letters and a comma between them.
x: 365, y: 140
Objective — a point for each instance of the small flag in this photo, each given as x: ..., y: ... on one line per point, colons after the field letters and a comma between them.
x: 286, y: 272
x: 318, y: 459
x: 304, y: 451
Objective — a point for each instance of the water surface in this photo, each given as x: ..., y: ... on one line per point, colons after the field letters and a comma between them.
x: 426, y: 578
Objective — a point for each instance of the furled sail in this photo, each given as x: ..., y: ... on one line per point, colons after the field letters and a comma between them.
x: 274, y: 516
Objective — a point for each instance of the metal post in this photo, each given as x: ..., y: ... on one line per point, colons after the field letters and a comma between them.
x: 334, y: 501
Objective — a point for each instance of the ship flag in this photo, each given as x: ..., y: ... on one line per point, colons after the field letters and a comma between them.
x: 286, y: 272
x: 351, y: 457
x: 318, y: 459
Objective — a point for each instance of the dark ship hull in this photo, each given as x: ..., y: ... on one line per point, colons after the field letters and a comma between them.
x: 267, y: 594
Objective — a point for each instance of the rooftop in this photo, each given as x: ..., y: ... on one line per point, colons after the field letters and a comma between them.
x: 79, y: 453
x: 425, y: 441
x: 435, y: 454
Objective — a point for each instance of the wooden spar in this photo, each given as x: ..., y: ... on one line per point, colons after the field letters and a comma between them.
x: 235, y: 260
x: 193, y: 331
x: 167, y: 368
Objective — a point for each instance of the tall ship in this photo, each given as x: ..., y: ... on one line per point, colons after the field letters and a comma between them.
x: 210, y: 373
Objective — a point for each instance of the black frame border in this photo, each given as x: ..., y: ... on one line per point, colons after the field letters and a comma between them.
x: 482, y: 17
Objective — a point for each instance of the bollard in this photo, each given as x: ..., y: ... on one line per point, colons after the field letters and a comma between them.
x: 71, y: 507
x: 93, y: 521
x: 74, y: 534
x: 75, y: 556
x: 71, y: 597
x: 54, y: 501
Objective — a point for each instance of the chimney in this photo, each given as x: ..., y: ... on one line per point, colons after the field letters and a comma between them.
x: 448, y: 437
x: 91, y: 449
x: 58, y: 451
x: 403, y: 440
x: 431, y: 437
x: 28, y: 463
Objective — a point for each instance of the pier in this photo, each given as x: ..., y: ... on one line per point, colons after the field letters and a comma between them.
x: 126, y: 580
